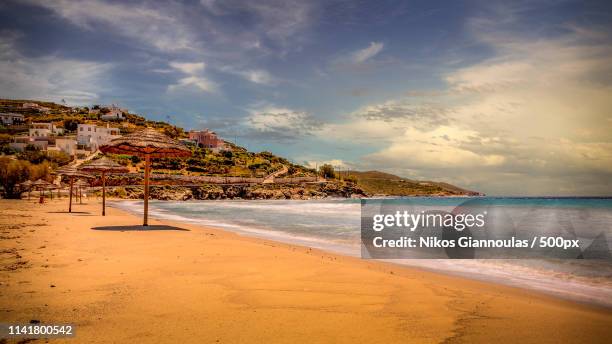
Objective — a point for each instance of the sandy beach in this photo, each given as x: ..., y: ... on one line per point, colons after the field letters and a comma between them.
x: 180, y: 283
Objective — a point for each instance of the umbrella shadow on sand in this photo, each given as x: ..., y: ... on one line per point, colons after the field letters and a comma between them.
x: 139, y: 228
x: 67, y: 212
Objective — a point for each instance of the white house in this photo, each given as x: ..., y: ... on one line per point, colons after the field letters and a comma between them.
x: 93, y: 136
x: 115, y: 113
x: 35, y: 106
x: 44, y: 130
x: 11, y: 118
x: 66, y: 145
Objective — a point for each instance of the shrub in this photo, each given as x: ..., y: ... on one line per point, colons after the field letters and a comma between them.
x: 13, y: 172
x: 135, y: 159
x: 327, y: 171
x: 5, y: 138
x: 35, y: 156
x: 71, y: 124
x: 351, y: 179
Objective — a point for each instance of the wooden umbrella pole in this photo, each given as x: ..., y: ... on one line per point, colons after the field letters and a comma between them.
x: 70, y: 202
x: 103, y: 194
x: 146, y: 190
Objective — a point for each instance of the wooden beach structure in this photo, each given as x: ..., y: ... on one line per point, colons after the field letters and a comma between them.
x: 72, y: 173
x: 80, y: 184
x: 103, y: 166
x: 41, y: 185
x: 148, y: 144
x: 27, y: 185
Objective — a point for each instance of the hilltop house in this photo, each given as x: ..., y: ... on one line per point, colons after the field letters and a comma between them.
x: 207, y: 139
x: 11, y: 118
x: 115, y: 113
x: 93, y: 136
x: 35, y: 107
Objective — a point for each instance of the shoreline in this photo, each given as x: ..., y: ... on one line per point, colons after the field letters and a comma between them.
x: 135, y: 286
x: 496, y: 271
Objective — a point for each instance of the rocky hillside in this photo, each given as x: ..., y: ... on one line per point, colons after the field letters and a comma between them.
x: 261, y: 191
x: 381, y: 183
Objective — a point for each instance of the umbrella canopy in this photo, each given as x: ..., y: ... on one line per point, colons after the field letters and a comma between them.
x: 26, y: 184
x: 72, y: 173
x: 104, y: 165
x: 147, y: 143
x: 81, y: 183
x: 41, y: 184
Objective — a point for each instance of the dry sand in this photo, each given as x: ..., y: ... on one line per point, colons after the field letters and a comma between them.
x: 203, y: 285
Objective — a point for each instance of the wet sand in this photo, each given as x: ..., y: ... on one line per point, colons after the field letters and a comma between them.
x: 180, y: 283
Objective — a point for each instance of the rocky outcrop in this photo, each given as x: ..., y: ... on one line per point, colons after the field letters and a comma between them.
x: 261, y: 191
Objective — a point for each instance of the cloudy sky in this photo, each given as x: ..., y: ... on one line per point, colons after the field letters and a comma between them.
x: 508, y: 98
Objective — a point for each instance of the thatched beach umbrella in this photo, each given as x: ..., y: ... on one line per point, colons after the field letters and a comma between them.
x: 61, y: 187
x: 147, y: 143
x: 51, y: 187
x: 72, y: 173
x: 27, y: 185
x: 41, y: 185
x: 103, y: 166
x: 80, y: 184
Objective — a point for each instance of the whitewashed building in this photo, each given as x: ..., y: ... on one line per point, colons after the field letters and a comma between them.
x: 35, y: 107
x: 11, y: 118
x: 94, y: 136
x: 115, y: 113
x: 44, y: 130
x: 66, y: 145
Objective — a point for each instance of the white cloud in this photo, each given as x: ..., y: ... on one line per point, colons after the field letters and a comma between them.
x: 157, y: 26
x: 257, y: 76
x: 279, y: 123
x: 279, y: 20
x: 193, y: 77
x: 367, y: 53
x: 188, y: 67
x: 49, y: 77
x: 193, y: 81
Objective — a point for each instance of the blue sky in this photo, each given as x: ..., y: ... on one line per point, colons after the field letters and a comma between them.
x: 507, y: 98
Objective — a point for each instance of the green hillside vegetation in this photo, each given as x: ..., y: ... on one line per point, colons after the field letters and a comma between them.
x: 68, y: 118
x: 381, y: 183
x: 236, y: 163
